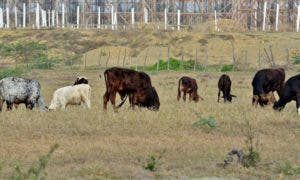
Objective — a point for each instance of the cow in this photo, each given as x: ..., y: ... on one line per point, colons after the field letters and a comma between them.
x: 264, y: 83
x: 134, y: 84
x: 15, y: 90
x: 71, y: 95
x: 224, y: 85
x: 81, y: 80
x: 188, y: 85
x: 291, y: 91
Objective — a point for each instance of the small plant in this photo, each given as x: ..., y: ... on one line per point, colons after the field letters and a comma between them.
x: 296, y: 59
x: 210, y: 122
x: 151, y: 163
x: 253, y: 156
x: 227, y: 68
x: 35, y: 171
x: 288, y: 169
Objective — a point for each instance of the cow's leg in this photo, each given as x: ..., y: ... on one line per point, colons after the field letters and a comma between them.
x: 298, y: 102
x: 112, y: 98
x: 105, y: 99
x: 184, y: 96
x: 1, y: 104
x: 87, y: 102
x: 225, y: 96
x: 9, y: 105
x: 219, y: 96
x: 190, y: 97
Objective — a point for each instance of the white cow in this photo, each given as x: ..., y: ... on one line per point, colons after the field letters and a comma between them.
x: 71, y: 95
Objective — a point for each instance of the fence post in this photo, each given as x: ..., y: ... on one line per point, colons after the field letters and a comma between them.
x: 181, y: 64
x: 37, y: 17
x: 118, y: 57
x: 221, y: 63
x: 158, y: 59
x: 112, y: 17
x: 49, y: 18
x: 145, y: 61
x: 264, y: 16
x: 169, y: 57
x: 233, y: 55
x: 99, y: 61
x: 216, y: 23
x: 287, y: 56
x: 85, y: 55
x: 195, y: 62
x: 116, y: 20
x: 53, y: 18
x: 206, y: 58
x: 255, y: 20
x: 107, y: 60
x: 124, y: 58
x: 246, y: 59
x: 1, y: 18
x: 277, y: 16
x: 24, y: 15
x: 146, y: 15
x: 57, y: 18
x: 259, y: 60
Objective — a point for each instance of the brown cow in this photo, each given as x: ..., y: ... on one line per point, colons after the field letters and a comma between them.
x: 188, y: 85
x: 224, y: 85
x: 137, y: 85
x: 264, y: 83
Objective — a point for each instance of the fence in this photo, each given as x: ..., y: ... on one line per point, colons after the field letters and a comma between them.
x: 114, y: 16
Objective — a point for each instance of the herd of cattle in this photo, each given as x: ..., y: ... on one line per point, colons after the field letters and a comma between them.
x: 137, y: 87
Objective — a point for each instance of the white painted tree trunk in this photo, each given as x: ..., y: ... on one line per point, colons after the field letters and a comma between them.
x: 166, y: 18
x: 53, y: 18
x: 277, y: 17
x: 146, y: 15
x: 57, y: 19
x: 99, y: 17
x: 116, y: 20
x: 77, y: 16
x: 49, y: 18
x: 7, y: 16
x: 112, y: 17
x: 264, y: 16
x: 63, y: 15
x: 16, y: 16
x: 178, y: 19
x: 298, y: 19
x: 132, y: 16
x: 37, y: 16
x: 1, y: 18
x: 24, y: 15
x: 216, y: 21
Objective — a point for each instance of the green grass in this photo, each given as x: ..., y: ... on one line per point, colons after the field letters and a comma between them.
x: 11, y: 72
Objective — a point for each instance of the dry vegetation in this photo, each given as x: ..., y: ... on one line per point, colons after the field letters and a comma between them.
x: 94, y: 144
x: 98, y: 144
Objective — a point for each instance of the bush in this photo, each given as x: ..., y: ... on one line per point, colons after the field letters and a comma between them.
x: 11, y: 72
x: 288, y: 169
x: 227, y: 68
x: 209, y: 122
x: 296, y: 59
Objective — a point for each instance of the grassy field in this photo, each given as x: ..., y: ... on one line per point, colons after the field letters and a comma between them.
x: 94, y: 144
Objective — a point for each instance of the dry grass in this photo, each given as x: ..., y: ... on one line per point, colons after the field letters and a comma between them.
x: 98, y: 145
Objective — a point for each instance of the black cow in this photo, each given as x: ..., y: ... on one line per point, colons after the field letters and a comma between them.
x: 291, y: 91
x: 81, y: 80
x: 264, y: 83
x: 224, y: 85
x: 128, y: 82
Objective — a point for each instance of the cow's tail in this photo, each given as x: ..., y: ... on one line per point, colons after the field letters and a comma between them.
x: 179, y: 92
x: 123, y: 101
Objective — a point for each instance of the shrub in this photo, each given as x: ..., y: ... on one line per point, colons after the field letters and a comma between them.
x: 35, y: 171
x: 209, y: 122
x: 288, y: 169
x: 227, y: 68
x: 296, y: 59
x: 151, y: 163
x: 11, y: 72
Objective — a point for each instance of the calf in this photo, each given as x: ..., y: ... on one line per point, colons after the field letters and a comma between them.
x: 14, y: 90
x: 291, y: 91
x: 71, y: 95
x: 128, y: 82
x: 264, y: 83
x: 188, y: 85
x: 224, y: 85
x: 81, y: 80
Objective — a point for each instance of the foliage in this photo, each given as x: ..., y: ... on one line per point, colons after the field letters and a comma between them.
x: 296, y: 59
x: 253, y: 156
x: 35, y: 171
x: 11, y: 72
x: 288, y: 169
x: 174, y: 64
x: 210, y: 122
x: 226, y: 68
x: 151, y: 163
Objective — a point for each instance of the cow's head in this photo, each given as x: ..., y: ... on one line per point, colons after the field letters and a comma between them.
x: 263, y: 99
x: 154, y: 105
x: 277, y: 106
x: 81, y: 80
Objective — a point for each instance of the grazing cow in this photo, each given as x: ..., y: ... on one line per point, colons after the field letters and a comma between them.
x: 291, y: 91
x: 128, y: 82
x: 14, y: 90
x: 81, y: 80
x: 264, y: 83
x: 188, y: 85
x: 224, y: 85
x: 71, y: 95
